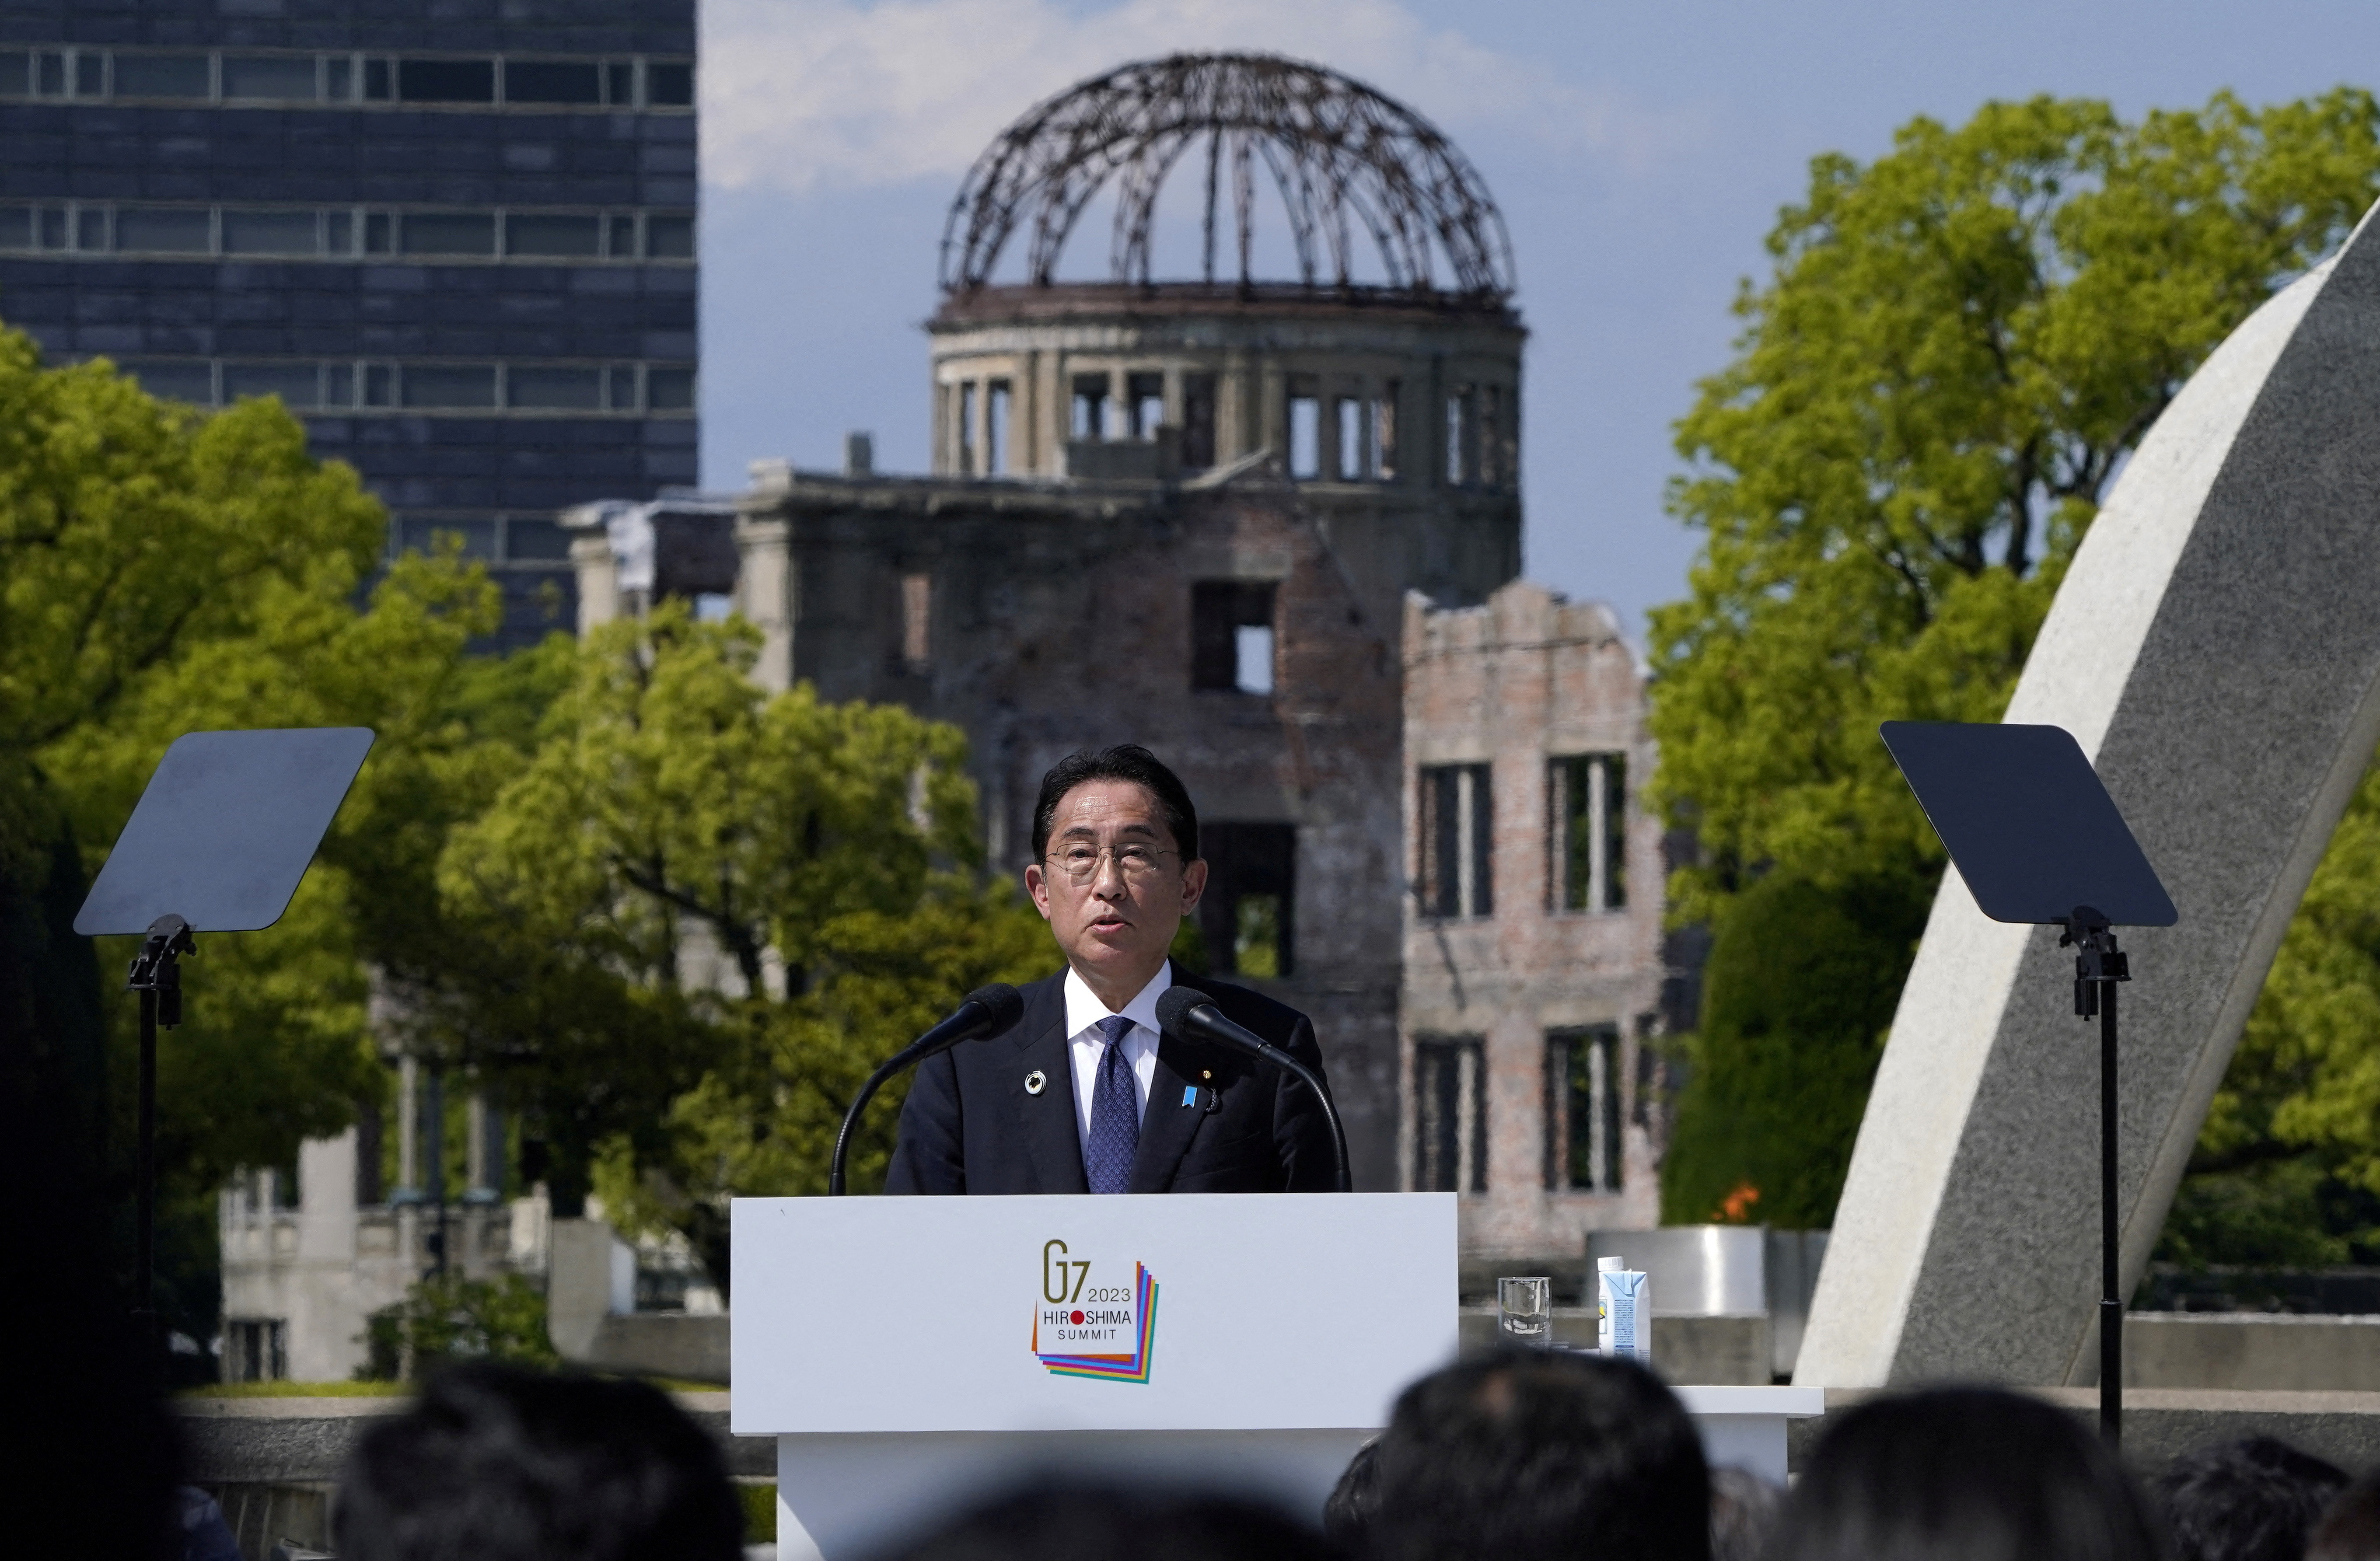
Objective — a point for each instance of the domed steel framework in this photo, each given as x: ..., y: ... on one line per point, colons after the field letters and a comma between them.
x: 1343, y: 157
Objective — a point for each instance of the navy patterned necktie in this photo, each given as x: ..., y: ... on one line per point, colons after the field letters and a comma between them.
x: 1115, y: 1112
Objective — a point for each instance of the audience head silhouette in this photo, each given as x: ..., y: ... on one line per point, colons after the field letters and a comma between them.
x: 502, y: 1464
x: 1743, y: 1509
x: 1963, y: 1474
x: 1119, y: 1523
x: 2350, y: 1530
x: 1347, y: 1515
x: 2251, y: 1500
x: 1541, y: 1457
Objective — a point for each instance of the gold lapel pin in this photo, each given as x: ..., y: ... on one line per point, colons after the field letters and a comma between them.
x: 1205, y: 1072
x: 1035, y: 1083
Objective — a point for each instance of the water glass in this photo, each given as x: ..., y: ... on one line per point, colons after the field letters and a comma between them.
x: 1524, y: 1312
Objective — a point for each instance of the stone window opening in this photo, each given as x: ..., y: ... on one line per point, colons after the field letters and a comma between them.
x: 967, y: 399
x: 1232, y: 644
x: 257, y: 1348
x: 997, y: 398
x: 1349, y: 414
x: 1449, y: 1115
x: 1197, y: 422
x: 1583, y: 1137
x: 1454, y: 877
x: 1304, y: 430
x: 1498, y: 446
x: 1384, y: 431
x: 1090, y: 418
x: 1247, y: 916
x: 1587, y: 801
x: 1144, y: 401
x: 1462, y: 437
x: 916, y: 620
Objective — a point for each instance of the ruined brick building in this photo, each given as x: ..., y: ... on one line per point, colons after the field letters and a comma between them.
x: 1197, y: 513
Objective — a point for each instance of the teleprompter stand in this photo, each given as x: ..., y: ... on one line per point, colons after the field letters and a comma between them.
x: 2037, y: 839
x: 217, y: 843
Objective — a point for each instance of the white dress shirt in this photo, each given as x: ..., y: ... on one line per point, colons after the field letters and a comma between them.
x: 1083, y: 1043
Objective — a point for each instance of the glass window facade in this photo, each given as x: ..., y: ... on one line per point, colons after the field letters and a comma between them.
x: 459, y: 242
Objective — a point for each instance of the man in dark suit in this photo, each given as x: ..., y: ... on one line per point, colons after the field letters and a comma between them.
x: 1083, y: 1095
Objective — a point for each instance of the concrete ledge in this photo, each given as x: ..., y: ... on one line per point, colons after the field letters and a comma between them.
x: 1727, y: 1350
x: 675, y: 1344
x: 2251, y: 1351
x: 2161, y: 1423
x: 302, y: 1441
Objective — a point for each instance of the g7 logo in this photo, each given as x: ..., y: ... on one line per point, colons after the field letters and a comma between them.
x: 1054, y: 1288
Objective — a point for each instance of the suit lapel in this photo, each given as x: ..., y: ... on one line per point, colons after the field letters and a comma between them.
x: 1166, y: 1126
x: 1051, y: 1142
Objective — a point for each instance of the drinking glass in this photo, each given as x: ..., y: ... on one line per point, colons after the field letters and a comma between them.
x: 1524, y: 1312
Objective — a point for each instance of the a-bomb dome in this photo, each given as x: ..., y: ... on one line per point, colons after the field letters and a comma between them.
x: 1349, y: 162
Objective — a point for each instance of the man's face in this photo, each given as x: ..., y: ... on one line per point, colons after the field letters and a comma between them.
x: 1111, y: 882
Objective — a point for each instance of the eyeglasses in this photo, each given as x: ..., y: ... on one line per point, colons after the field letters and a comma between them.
x: 1080, y: 861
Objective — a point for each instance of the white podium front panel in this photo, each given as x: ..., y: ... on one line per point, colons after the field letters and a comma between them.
x: 849, y: 1498
x: 1170, y: 1312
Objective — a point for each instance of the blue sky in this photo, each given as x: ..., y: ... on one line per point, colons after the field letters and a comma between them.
x: 1639, y: 152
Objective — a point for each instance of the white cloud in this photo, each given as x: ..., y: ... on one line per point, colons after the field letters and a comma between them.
x: 800, y: 95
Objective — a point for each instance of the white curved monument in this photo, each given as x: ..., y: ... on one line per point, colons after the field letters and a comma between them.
x: 2215, y: 649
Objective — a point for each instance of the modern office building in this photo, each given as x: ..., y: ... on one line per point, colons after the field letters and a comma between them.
x: 456, y: 236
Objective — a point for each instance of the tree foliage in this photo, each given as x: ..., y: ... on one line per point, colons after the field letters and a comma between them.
x: 744, y: 900
x: 1957, y: 348
x: 274, y: 1048
x: 163, y: 571
x: 440, y: 1322
x: 2287, y: 1168
x: 1960, y: 344
x: 1798, y: 995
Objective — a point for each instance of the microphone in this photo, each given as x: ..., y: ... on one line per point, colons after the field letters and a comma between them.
x: 987, y: 1011
x: 1188, y: 1014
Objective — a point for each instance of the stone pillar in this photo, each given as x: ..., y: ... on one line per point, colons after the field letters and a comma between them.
x: 408, y: 1125
x: 408, y: 1195
x: 598, y: 581
x: 765, y: 586
x: 591, y: 1275
x: 485, y: 1156
x: 2215, y: 651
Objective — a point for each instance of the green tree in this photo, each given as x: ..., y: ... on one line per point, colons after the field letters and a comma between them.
x: 138, y: 538
x: 1958, y: 346
x: 442, y: 1321
x: 2287, y: 1168
x: 1797, y: 997
x: 752, y: 897
x: 276, y: 1047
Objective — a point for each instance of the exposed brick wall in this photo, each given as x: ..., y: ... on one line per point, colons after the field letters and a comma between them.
x: 1512, y: 683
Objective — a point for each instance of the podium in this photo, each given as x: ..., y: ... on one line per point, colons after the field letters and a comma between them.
x: 912, y: 1355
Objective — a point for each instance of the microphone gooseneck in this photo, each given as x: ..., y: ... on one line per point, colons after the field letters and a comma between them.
x: 987, y: 1011
x: 1188, y: 1014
